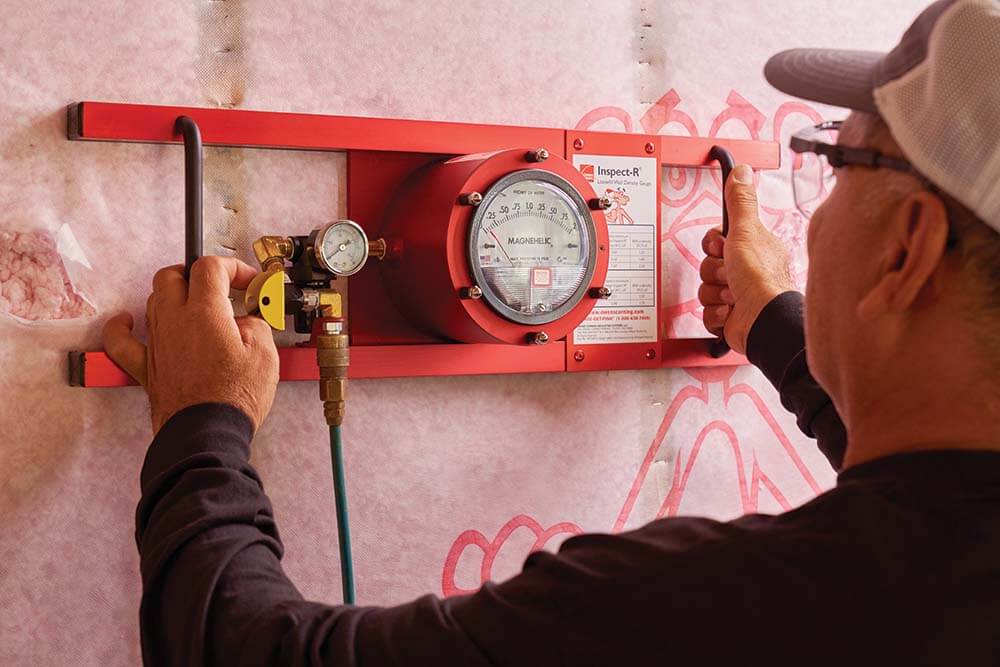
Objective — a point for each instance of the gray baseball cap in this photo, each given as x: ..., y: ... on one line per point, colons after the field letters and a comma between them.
x: 938, y: 91
x: 846, y: 78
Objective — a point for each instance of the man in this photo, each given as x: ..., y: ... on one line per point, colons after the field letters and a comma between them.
x: 898, y: 564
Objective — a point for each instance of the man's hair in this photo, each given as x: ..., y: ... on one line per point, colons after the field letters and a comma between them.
x: 978, y: 250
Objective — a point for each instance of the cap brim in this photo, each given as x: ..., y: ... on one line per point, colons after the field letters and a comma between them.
x: 839, y: 78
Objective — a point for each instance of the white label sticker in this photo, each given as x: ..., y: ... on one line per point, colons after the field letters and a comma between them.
x: 629, y: 316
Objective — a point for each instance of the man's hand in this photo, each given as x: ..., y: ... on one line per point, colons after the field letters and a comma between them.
x: 198, y: 352
x: 741, y: 273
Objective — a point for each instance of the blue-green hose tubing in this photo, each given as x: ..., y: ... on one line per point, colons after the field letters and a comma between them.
x: 343, y: 522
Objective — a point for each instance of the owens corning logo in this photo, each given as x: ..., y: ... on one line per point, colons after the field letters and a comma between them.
x: 588, y: 172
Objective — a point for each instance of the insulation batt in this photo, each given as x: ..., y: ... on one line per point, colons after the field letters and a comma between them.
x: 34, y: 284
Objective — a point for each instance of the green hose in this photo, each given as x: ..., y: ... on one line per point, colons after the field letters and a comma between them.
x: 343, y: 524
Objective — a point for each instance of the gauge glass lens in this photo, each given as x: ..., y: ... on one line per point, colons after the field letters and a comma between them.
x: 344, y: 248
x: 531, y: 247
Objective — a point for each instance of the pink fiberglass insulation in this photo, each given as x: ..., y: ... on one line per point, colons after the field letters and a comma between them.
x: 34, y: 284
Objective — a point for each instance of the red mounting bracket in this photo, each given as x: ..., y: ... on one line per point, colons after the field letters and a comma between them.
x: 380, y: 152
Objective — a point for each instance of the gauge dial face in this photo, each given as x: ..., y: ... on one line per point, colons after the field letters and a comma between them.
x: 342, y: 248
x: 531, y: 246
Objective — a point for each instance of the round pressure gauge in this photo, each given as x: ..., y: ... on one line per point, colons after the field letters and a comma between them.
x: 498, y: 247
x: 532, y: 246
x: 341, y: 247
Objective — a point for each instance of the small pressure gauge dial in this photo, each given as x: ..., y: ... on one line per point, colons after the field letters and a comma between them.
x: 532, y: 246
x: 341, y: 248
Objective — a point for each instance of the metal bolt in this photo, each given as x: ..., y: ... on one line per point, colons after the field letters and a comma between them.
x: 578, y: 355
x: 578, y: 144
x: 650, y: 148
x: 310, y: 299
x: 538, y: 338
x: 651, y: 353
x: 473, y: 292
x: 540, y: 155
x: 600, y: 203
x: 601, y: 247
x: 333, y: 327
x: 471, y: 199
x: 600, y: 293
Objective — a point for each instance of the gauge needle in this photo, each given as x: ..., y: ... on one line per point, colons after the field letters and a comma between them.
x: 502, y: 249
x: 342, y: 246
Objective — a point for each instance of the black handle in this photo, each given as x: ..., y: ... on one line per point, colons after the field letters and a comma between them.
x: 719, y: 347
x: 193, y: 245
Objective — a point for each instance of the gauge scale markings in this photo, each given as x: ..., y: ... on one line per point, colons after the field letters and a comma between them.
x: 342, y: 247
x: 519, y: 234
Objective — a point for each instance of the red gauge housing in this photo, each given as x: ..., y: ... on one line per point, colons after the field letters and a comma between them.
x: 428, y: 273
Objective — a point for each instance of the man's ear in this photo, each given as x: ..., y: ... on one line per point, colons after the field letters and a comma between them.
x: 915, y: 245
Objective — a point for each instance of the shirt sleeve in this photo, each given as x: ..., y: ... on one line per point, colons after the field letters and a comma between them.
x: 214, y: 592
x: 776, y: 345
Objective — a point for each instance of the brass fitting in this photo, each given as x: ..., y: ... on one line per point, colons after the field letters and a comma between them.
x: 271, y: 250
x: 333, y: 357
x: 331, y: 303
x: 377, y: 249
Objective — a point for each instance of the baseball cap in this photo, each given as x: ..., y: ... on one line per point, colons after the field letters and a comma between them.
x: 938, y: 91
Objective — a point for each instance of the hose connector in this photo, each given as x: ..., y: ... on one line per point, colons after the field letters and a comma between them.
x: 332, y: 357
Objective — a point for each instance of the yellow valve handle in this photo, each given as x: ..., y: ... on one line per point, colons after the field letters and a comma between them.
x: 266, y: 296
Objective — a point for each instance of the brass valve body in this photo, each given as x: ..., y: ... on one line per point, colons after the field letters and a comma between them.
x: 272, y: 250
x: 332, y: 356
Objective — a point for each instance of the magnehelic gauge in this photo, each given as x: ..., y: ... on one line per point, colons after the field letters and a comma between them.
x: 510, y: 246
x: 531, y: 247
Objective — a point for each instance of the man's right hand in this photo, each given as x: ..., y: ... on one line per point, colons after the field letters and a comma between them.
x: 198, y: 352
x: 743, y: 272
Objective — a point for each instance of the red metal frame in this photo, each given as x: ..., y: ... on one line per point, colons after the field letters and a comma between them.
x: 402, y: 146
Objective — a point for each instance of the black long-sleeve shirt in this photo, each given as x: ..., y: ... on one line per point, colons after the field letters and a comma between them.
x: 898, y: 564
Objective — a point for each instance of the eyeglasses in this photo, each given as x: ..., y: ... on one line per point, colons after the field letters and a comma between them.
x: 813, y: 177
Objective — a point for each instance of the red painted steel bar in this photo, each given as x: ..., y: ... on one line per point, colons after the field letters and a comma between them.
x: 112, y: 121
x: 95, y: 369
x: 681, y: 151
x: 107, y: 121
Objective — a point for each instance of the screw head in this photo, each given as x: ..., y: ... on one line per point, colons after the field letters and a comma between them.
x: 650, y: 148
x: 600, y: 293
x: 471, y: 199
x: 473, y: 292
x: 578, y: 144
x: 600, y: 203
x: 538, y: 338
x: 578, y: 355
x: 539, y: 155
x: 651, y: 353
